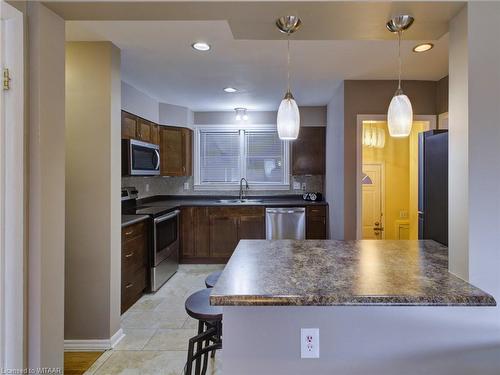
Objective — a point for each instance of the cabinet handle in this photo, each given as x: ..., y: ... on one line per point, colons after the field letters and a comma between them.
x: 184, y: 168
x: 129, y: 285
x: 129, y: 232
x: 129, y: 255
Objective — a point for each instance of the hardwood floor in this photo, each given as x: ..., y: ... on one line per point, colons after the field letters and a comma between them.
x: 76, y: 363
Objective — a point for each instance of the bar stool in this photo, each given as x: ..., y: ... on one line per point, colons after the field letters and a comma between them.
x: 211, y: 279
x: 209, y: 337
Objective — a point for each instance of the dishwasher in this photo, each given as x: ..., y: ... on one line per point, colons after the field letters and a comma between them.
x: 286, y: 223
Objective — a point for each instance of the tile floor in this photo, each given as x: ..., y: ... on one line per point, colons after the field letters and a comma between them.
x: 157, y: 330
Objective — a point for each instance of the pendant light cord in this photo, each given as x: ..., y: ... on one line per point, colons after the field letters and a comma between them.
x: 288, y: 61
x: 400, y: 32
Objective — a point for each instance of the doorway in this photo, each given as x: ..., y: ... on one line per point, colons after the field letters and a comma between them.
x: 387, y: 185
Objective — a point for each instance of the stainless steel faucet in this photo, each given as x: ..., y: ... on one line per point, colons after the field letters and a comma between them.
x: 243, y: 194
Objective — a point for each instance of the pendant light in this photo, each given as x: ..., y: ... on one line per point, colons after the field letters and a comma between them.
x: 288, y: 121
x: 400, y: 113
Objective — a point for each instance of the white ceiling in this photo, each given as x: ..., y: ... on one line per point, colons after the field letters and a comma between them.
x: 157, y: 58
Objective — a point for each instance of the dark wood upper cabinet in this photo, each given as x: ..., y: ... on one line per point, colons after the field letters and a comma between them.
x: 129, y: 125
x: 155, y: 134
x: 308, y: 151
x: 176, y: 151
x: 144, y: 130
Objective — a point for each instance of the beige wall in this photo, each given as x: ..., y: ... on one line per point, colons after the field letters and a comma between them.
x: 373, y: 97
x: 309, y: 116
x: 93, y: 240
x: 46, y: 189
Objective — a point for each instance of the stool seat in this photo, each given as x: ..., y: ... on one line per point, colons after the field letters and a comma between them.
x: 198, y: 307
x: 211, y: 279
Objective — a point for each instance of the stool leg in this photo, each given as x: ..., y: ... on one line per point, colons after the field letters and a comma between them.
x: 199, y: 346
x: 205, y: 358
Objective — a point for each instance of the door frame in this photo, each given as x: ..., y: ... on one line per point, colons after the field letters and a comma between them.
x: 12, y: 192
x: 382, y: 196
x: 432, y: 119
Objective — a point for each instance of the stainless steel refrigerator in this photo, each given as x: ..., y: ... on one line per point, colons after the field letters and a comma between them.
x: 433, y: 186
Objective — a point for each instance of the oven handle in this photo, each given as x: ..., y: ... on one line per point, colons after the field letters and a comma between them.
x: 166, y: 217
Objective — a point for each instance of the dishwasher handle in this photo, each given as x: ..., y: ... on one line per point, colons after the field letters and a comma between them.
x: 291, y: 210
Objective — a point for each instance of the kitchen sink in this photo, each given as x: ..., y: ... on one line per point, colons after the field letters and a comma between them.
x: 235, y: 201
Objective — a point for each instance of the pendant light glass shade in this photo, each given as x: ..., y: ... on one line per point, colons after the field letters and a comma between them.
x: 288, y: 118
x: 400, y: 116
x: 400, y: 112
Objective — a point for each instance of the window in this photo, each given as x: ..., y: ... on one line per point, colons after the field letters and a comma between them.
x: 224, y: 155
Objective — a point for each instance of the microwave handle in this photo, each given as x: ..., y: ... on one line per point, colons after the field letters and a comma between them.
x: 158, y: 159
x: 166, y: 217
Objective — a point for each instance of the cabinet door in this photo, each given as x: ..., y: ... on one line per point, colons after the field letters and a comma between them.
x: 187, y: 232
x: 187, y: 152
x: 202, y: 232
x: 251, y: 227
x: 171, y: 151
x: 144, y: 130
x: 129, y: 125
x: 316, y: 228
x: 223, y: 232
x: 155, y: 134
x: 308, y: 151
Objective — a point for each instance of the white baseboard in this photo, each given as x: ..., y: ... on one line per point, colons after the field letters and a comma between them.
x: 93, y: 345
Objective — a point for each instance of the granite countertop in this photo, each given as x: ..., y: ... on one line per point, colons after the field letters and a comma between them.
x: 132, y: 219
x: 174, y: 202
x: 337, y: 273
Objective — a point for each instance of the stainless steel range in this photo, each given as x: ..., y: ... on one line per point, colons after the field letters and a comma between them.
x: 165, y: 260
x: 164, y: 253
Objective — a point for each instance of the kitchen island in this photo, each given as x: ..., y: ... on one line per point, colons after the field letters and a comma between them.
x: 382, y: 307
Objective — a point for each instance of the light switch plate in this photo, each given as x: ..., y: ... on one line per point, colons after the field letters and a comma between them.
x: 309, y: 342
x: 186, y: 185
x: 296, y: 185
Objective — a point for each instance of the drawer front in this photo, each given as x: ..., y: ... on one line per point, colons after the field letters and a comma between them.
x: 316, y: 210
x: 134, y: 254
x: 133, y: 285
x: 134, y: 230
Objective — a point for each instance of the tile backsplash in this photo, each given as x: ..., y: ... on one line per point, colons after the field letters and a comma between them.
x: 148, y: 186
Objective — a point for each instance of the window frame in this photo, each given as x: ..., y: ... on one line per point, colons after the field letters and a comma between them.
x: 198, y: 185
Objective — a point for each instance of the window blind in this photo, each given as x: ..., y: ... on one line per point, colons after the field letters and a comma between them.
x: 264, y: 157
x: 220, y: 157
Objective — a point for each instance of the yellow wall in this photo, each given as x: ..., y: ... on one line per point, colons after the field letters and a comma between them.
x: 400, y: 160
x: 395, y: 158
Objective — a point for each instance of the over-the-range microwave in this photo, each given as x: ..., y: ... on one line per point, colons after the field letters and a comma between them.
x: 140, y: 158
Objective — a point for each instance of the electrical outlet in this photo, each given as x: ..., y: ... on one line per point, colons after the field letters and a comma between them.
x: 186, y: 185
x: 296, y: 185
x: 309, y: 342
x: 304, y: 187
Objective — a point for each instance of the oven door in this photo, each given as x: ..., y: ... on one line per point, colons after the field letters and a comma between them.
x: 166, y: 238
x: 144, y: 158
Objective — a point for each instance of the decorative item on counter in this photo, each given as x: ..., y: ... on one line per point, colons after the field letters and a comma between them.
x: 312, y: 197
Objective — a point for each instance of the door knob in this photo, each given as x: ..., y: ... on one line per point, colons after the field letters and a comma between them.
x: 376, y: 223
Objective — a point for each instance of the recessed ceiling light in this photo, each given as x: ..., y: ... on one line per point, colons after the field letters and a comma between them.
x: 230, y: 89
x: 423, y: 47
x: 201, y: 46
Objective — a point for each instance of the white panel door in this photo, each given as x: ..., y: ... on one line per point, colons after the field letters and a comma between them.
x: 371, y: 200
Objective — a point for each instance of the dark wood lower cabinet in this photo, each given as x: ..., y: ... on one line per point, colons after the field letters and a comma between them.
x: 134, y: 264
x: 210, y: 234
x: 316, y: 223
